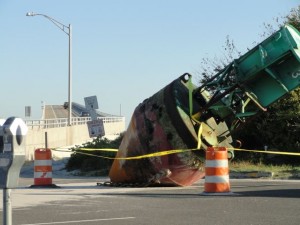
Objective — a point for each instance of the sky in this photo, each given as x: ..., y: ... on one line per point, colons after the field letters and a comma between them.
x: 122, y: 51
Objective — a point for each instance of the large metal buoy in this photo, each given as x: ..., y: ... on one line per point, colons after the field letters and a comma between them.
x: 162, y: 122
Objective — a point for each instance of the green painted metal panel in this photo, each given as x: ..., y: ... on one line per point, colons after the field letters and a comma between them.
x: 272, y: 68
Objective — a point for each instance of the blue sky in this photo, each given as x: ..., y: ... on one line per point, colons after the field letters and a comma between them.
x: 123, y: 51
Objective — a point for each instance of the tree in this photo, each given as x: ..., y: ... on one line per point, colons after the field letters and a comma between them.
x: 280, y: 126
x: 294, y: 17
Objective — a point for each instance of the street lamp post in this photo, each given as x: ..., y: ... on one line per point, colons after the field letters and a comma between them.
x: 67, y: 30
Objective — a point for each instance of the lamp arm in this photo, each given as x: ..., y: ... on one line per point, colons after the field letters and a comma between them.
x: 56, y: 23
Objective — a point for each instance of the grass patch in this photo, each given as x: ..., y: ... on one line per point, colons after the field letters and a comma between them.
x: 279, y: 171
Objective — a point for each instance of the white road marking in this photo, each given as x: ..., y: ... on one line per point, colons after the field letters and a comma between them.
x: 81, y: 221
x: 53, y: 112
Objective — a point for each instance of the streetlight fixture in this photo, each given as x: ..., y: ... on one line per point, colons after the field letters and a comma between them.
x: 67, y: 30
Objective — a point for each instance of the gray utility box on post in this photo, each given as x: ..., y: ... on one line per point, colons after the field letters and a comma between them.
x: 12, y: 151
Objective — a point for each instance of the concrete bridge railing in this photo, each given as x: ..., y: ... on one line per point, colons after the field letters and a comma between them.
x: 59, y: 135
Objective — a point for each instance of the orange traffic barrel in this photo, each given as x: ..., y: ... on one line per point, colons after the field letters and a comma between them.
x: 42, y: 167
x: 216, y: 170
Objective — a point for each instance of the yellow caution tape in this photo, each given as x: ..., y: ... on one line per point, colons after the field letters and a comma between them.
x: 87, y: 149
x: 99, y: 149
x: 190, y: 88
x: 199, y: 136
x: 266, y: 152
x: 163, y: 153
x: 155, y: 154
x: 98, y: 156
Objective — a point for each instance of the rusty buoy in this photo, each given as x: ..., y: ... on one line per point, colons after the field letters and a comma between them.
x: 162, y: 122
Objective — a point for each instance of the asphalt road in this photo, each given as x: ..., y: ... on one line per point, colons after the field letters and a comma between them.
x: 81, y: 201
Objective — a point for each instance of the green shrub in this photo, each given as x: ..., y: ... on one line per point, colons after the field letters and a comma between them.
x: 93, y: 161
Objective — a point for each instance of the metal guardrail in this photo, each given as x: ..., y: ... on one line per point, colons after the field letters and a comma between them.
x: 63, y: 122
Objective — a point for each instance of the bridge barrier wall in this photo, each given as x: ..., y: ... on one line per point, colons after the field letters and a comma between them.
x: 59, y: 135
